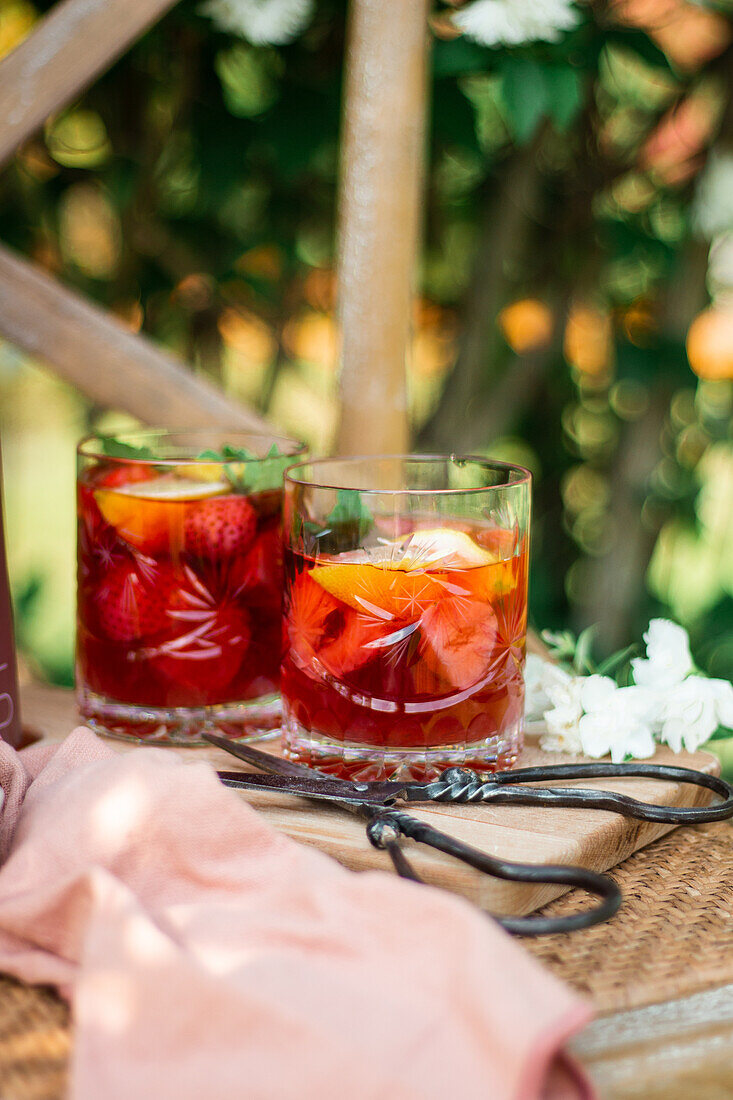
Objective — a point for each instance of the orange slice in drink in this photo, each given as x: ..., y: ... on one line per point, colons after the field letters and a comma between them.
x: 148, y: 514
x: 376, y: 590
x: 402, y: 579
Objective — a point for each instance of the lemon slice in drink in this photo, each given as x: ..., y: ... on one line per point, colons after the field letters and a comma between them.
x: 200, y: 471
x: 148, y: 514
x: 169, y: 487
x: 440, y: 546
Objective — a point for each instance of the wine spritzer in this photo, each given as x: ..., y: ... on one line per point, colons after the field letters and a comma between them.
x: 404, y: 654
x: 180, y: 587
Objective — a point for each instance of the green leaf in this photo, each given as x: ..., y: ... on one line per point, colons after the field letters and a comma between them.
x: 453, y: 119
x: 458, y: 57
x: 612, y: 663
x: 631, y: 39
x: 350, y: 509
x: 526, y: 96
x: 248, y: 472
x: 115, y: 448
x: 565, y: 94
x: 582, y: 661
x: 248, y: 79
x: 561, y: 643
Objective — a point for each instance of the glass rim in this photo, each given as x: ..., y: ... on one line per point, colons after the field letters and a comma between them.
x: 525, y: 477
x: 85, y: 448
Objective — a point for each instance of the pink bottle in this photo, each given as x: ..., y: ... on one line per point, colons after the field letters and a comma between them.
x: 10, y: 728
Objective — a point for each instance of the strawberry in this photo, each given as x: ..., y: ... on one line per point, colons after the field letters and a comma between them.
x: 321, y: 630
x: 257, y: 574
x: 208, y: 651
x: 500, y: 541
x: 457, y: 640
x: 308, y: 606
x: 219, y: 527
x: 133, y: 599
x: 348, y: 649
x: 126, y: 473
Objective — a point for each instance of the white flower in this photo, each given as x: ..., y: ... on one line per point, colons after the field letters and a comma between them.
x: 691, y: 712
x: 563, y: 719
x: 713, y: 208
x: 539, y: 675
x: 616, y: 720
x: 668, y: 658
x: 512, y: 22
x: 262, y: 22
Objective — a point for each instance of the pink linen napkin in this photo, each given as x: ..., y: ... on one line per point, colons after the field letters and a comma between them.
x: 206, y: 955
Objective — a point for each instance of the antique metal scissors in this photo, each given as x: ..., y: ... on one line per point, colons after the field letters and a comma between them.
x: 386, y: 823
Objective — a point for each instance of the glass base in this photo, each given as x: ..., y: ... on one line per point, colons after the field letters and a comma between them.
x: 363, y: 762
x: 255, y: 720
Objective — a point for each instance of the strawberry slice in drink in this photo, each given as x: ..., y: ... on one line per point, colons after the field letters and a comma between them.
x: 457, y: 638
x: 133, y: 600
x: 207, y: 657
x: 502, y: 542
x: 350, y: 644
x: 220, y: 528
x: 323, y: 632
x: 207, y: 642
x: 256, y: 575
x: 308, y: 607
x: 149, y: 515
x: 129, y: 473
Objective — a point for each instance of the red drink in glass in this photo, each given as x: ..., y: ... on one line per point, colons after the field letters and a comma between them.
x: 179, y: 598
x: 405, y: 653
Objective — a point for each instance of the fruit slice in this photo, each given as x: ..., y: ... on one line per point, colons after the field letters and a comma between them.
x: 257, y: 574
x: 322, y: 632
x: 374, y: 590
x: 220, y: 528
x: 128, y: 473
x: 206, y: 656
x: 502, y: 542
x: 308, y: 606
x: 147, y: 514
x: 491, y: 582
x: 351, y: 646
x: 400, y: 580
x: 457, y: 640
x: 132, y: 603
x: 202, y: 471
x: 440, y: 547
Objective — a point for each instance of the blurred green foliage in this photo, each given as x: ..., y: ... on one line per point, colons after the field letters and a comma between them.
x: 192, y: 190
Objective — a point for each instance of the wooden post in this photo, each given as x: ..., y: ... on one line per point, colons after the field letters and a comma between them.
x: 73, y: 44
x: 382, y: 156
x: 103, y: 359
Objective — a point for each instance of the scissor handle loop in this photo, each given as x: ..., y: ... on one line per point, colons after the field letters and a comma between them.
x: 464, y: 785
x: 384, y: 824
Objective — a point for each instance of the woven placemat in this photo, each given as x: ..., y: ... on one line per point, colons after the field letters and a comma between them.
x: 35, y: 1042
x: 673, y: 935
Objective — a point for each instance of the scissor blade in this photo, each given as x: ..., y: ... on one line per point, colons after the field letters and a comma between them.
x: 332, y: 790
x: 266, y: 761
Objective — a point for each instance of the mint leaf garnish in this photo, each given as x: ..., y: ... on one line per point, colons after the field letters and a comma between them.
x: 248, y: 472
x: 115, y: 448
x: 350, y: 513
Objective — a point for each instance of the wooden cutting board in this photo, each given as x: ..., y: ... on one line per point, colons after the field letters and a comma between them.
x: 595, y: 839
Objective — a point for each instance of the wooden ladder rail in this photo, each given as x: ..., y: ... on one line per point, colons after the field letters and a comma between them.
x: 381, y: 177
x: 81, y: 342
